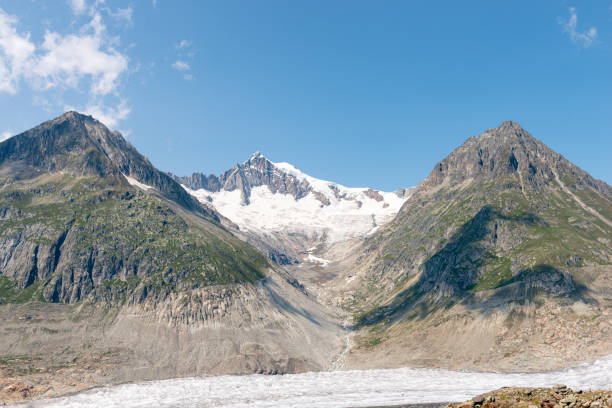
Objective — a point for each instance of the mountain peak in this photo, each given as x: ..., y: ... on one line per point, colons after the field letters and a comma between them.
x: 506, y: 133
x: 496, y: 153
x: 256, y: 157
x: 510, y: 125
x: 510, y: 155
x: 80, y: 145
x: 74, y: 116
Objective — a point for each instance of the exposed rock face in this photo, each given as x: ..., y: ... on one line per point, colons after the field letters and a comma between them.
x: 199, y: 181
x: 286, y: 213
x: 82, y: 146
x: 270, y: 327
x: 73, y: 225
x: 256, y: 171
x: 501, y: 224
x: 374, y: 195
x: 111, y: 272
x: 505, y: 151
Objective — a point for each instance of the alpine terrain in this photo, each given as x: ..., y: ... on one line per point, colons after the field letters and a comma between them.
x: 501, y: 259
x: 110, y: 272
x: 291, y: 214
x: 113, y: 271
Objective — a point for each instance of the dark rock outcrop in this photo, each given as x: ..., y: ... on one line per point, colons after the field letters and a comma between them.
x: 256, y: 171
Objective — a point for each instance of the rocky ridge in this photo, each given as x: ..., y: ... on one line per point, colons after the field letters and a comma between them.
x: 256, y: 171
x: 286, y: 213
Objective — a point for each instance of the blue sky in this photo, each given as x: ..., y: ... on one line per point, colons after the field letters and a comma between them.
x: 363, y: 93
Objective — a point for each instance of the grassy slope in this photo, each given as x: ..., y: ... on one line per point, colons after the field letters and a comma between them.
x: 121, y: 223
x: 550, y: 232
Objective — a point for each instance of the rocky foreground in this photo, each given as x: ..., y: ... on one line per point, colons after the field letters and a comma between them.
x: 559, y: 396
x: 24, y: 378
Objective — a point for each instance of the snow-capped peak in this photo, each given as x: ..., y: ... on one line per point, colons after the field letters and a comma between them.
x: 333, y: 191
x: 266, y: 197
x: 255, y: 155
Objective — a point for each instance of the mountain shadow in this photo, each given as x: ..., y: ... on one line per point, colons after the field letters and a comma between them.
x: 467, y: 264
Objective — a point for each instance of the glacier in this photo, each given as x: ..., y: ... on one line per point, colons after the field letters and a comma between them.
x: 358, y: 388
x: 350, y: 212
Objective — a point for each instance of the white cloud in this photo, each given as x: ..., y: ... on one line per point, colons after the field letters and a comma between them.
x: 78, y: 6
x: 584, y: 39
x: 5, y: 135
x: 110, y: 116
x: 124, y: 14
x: 183, y: 44
x: 68, y: 59
x: 181, y: 65
x: 15, y: 53
x: 60, y: 60
x: 86, y: 58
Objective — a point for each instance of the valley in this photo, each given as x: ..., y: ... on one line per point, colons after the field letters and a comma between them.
x: 112, y: 271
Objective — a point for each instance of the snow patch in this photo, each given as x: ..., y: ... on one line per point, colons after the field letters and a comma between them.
x: 136, y: 183
x: 316, y: 259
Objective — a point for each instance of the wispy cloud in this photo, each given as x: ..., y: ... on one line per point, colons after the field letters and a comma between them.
x: 122, y: 14
x: 184, y: 54
x: 183, y: 44
x: 85, y: 60
x: 110, y: 116
x: 78, y: 6
x: 181, y: 65
x: 584, y: 39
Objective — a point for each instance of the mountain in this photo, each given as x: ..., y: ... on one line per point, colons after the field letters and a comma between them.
x: 292, y: 212
x: 500, y: 259
x: 256, y: 171
x: 72, y: 224
x: 111, y: 270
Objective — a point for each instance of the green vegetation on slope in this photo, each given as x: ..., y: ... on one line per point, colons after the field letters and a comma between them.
x: 115, y: 239
x: 493, y: 236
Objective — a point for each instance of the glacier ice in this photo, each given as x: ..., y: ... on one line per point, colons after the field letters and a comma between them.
x: 358, y: 388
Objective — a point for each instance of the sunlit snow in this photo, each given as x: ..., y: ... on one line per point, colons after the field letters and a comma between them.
x: 329, y: 389
x: 136, y: 183
x: 316, y: 259
x: 353, y: 215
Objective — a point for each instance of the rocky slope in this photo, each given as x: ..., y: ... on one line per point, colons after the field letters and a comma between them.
x: 72, y: 224
x: 256, y: 171
x: 557, y: 396
x: 507, y: 246
x: 289, y: 214
x: 111, y: 271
